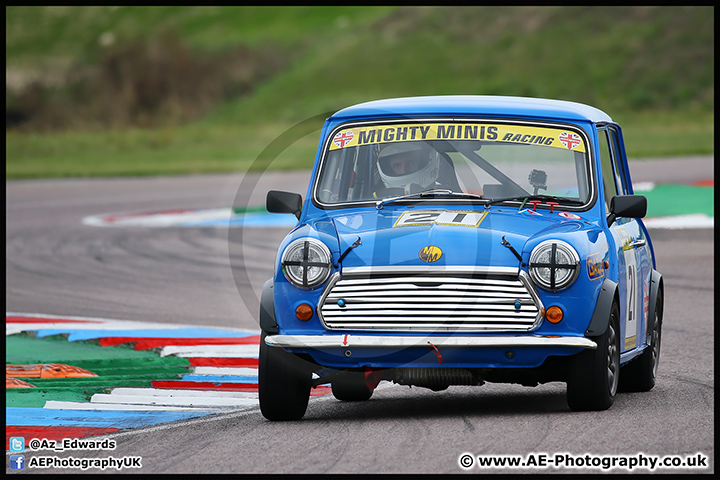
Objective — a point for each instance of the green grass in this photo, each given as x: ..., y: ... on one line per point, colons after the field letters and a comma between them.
x: 37, y: 36
x: 667, y: 133
x: 172, y: 151
x: 650, y: 68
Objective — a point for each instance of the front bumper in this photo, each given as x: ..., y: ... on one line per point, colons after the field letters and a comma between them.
x: 394, y: 341
x: 389, y: 351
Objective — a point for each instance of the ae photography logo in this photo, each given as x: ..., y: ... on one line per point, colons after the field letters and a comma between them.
x: 543, y: 461
x: 18, y: 461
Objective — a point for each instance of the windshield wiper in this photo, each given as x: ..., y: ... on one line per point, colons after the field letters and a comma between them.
x: 544, y: 198
x: 427, y: 193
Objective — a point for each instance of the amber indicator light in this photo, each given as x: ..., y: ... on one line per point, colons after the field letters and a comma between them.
x: 304, y: 312
x: 554, y: 314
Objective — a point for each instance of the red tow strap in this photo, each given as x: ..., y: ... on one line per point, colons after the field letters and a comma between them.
x: 436, y: 352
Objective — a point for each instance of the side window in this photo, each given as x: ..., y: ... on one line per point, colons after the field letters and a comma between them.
x: 346, y: 175
x: 609, y: 184
x: 619, y: 172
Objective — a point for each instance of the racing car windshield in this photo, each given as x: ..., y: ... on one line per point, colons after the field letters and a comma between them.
x: 486, y: 161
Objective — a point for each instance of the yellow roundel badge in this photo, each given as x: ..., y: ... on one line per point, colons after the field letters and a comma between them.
x: 430, y: 254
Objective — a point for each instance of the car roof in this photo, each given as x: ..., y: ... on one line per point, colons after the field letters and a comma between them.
x: 474, y: 105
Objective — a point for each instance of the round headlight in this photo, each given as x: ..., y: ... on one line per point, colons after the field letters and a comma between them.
x: 306, y: 262
x: 554, y: 265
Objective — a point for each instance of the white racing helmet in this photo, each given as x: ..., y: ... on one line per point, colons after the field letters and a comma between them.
x: 427, y: 165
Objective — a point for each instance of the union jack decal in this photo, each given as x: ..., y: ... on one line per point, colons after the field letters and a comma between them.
x: 343, y: 138
x: 570, y: 140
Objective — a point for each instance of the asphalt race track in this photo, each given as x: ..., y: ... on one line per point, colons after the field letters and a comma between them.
x: 58, y: 265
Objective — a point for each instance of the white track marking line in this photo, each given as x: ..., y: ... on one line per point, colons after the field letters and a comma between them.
x: 162, y: 392
x: 186, y: 401
x: 643, y: 186
x: 212, y: 351
x: 111, y: 324
x: 696, y: 220
x: 59, y: 405
x: 159, y: 219
x: 241, y: 372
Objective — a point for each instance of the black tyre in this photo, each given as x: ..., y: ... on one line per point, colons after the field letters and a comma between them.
x: 351, y: 388
x: 594, y: 374
x: 639, y: 375
x: 283, y: 383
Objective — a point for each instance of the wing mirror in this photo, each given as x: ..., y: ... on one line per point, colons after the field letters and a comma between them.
x: 629, y: 206
x: 284, y: 202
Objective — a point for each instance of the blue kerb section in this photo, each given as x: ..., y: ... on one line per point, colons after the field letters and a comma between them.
x: 219, y: 378
x: 41, y: 417
x: 75, y: 335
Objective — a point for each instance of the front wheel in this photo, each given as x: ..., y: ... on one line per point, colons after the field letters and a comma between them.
x: 594, y: 374
x: 283, y: 383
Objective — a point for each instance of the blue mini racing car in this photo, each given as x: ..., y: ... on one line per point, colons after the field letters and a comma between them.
x: 457, y: 240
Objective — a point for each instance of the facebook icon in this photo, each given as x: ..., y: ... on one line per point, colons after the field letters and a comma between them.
x: 17, y: 462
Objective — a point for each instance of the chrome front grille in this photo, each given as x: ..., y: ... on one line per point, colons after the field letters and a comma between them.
x: 430, y: 299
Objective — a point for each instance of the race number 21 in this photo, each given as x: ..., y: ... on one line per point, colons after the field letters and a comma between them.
x: 441, y: 217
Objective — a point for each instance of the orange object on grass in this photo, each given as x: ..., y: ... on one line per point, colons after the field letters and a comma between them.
x: 46, y: 370
x: 17, y: 383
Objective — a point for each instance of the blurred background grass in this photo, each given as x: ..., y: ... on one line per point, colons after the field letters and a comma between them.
x: 104, y: 91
